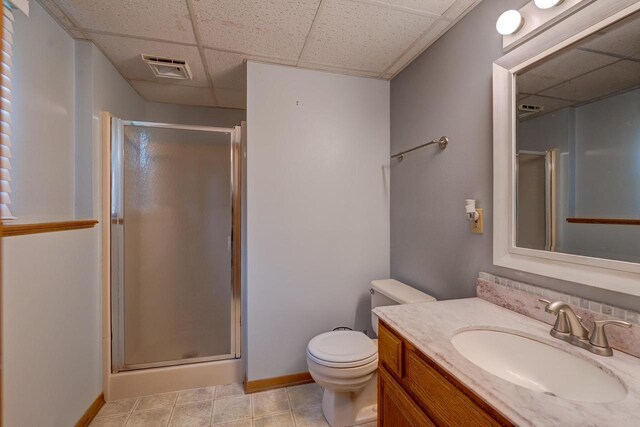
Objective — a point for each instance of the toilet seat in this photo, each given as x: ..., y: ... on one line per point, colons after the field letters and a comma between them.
x: 342, y: 349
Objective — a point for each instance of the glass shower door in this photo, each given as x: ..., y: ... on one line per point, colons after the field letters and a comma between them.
x: 173, y: 249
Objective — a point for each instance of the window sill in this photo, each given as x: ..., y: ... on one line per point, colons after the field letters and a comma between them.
x: 9, y: 230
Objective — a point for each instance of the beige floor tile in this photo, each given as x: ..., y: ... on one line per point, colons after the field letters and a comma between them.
x: 156, y: 401
x: 111, y: 421
x: 304, y: 396
x: 152, y: 418
x: 270, y: 402
x: 229, y: 390
x: 240, y: 423
x: 196, y: 414
x: 117, y: 407
x: 371, y: 424
x: 310, y: 417
x: 231, y: 409
x: 279, y: 420
x: 196, y: 395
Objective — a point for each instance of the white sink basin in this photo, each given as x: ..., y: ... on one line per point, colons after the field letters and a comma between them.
x: 538, y: 366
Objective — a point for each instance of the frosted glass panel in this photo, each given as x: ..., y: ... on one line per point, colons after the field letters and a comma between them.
x: 177, y: 258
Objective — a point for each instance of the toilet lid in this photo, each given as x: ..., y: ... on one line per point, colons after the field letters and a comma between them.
x: 346, y: 347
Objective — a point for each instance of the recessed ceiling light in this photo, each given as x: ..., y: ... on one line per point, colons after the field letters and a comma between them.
x: 509, y: 22
x: 546, y: 4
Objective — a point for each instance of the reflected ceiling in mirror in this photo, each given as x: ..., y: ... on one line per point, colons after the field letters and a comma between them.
x: 578, y: 148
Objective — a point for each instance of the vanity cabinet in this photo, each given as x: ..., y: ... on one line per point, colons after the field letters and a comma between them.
x: 414, y: 391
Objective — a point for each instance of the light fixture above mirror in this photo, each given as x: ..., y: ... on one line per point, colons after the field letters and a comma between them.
x: 546, y: 4
x: 509, y: 22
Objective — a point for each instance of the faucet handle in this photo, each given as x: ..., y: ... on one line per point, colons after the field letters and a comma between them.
x: 562, y: 322
x: 599, y: 337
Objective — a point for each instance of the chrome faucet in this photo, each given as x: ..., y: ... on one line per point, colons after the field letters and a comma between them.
x: 569, y: 328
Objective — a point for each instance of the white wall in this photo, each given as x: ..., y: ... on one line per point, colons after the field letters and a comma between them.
x: 43, y: 118
x: 51, y: 304
x: 317, y: 209
x: 52, y: 282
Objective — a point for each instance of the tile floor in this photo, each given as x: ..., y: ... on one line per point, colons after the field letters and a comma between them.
x: 223, y: 406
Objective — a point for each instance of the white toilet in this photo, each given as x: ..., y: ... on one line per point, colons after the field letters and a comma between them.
x: 345, y: 363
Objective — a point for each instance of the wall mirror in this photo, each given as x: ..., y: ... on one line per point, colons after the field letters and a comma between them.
x: 577, y: 153
x: 567, y: 152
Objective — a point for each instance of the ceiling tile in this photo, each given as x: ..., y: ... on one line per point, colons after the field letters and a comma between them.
x: 274, y: 28
x: 174, y: 94
x: 53, y: 8
x: 159, y: 19
x: 421, y: 44
x: 231, y: 98
x: 549, y: 104
x: 361, y: 35
x: 437, y: 7
x: 460, y: 8
x: 228, y: 70
x: 561, y: 68
x: 617, y: 77
x: 623, y: 39
x: 125, y: 53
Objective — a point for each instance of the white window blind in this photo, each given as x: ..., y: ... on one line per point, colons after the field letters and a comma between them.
x: 5, y: 142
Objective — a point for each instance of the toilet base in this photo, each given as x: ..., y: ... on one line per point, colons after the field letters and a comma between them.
x: 351, y: 408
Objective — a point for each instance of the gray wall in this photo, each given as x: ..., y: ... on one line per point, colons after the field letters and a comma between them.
x: 447, y: 91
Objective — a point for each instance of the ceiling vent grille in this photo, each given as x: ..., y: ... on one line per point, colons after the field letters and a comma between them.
x: 525, y: 110
x: 168, y: 68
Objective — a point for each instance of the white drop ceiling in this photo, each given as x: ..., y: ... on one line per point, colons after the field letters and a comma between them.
x: 605, y: 64
x: 368, y: 38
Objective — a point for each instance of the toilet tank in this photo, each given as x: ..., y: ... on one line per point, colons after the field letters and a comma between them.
x: 391, y: 292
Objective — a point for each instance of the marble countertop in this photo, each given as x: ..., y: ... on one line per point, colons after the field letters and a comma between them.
x: 430, y: 326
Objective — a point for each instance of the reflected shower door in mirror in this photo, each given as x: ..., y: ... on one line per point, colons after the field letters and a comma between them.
x: 578, y: 148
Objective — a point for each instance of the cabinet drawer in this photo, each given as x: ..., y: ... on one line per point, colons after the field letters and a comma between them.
x: 390, y: 350
x: 443, y: 402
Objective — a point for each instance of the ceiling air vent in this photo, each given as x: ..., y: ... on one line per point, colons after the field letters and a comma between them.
x: 525, y: 110
x: 168, y: 68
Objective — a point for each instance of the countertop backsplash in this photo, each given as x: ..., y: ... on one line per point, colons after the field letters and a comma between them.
x: 523, y: 298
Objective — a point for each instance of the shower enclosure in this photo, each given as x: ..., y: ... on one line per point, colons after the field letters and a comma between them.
x: 174, y: 244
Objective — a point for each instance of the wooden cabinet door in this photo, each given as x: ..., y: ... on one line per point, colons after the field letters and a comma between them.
x: 395, y: 407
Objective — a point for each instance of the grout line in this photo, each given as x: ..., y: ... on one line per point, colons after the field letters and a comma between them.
x: 452, y: 22
x: 311, y: 30
x: 203, y: 57
x: 399, y: 8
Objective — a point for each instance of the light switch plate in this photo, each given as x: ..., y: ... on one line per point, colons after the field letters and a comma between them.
x: 477, y: 226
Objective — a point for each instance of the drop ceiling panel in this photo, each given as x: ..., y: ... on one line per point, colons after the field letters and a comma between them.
x: 159, y: 19
x: 228, y: 69
x: 273, y: 28
x: 436, y: 7
x: 562, y: 68
x: 125, y: 54
x: 174, y: 94
x: 617, y: 77
x: 422, y: 43
x: 623, y: 40
x: 362, y: 36
x: 368, y: 38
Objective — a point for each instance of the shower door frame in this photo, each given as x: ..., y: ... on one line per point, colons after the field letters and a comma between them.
x: 116, y: 236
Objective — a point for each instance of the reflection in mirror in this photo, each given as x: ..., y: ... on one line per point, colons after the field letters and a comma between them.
x: 578, y: 148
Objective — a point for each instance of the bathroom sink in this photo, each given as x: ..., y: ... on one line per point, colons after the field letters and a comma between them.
x: 538, y: 366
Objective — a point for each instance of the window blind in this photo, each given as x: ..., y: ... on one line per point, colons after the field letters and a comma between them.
x: 5, y: 142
